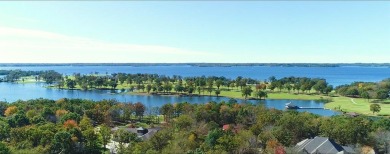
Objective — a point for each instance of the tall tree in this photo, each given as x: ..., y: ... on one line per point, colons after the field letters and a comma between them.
x: 218, y: 83
x: 375, y: 108
x: 167, y: 111
x: 105, y: 132
x: 139, y: 110
x: 217, y: 92
x: 246, y: 91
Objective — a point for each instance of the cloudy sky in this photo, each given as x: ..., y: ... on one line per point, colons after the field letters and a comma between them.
x: 196, y: 31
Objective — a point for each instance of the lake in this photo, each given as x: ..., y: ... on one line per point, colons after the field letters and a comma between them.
x: 334, y: 75
x: 11, y: 92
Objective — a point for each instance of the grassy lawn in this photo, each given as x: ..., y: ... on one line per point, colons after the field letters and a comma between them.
x: 28, y: 79
x: 360, y: 106
x: 273, y: 95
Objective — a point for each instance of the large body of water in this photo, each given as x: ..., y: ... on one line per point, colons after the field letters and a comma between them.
x: 11, y: 92
x: 334, y: 75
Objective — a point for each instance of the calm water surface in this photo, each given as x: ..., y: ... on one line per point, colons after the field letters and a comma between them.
x: 11, y: 92
x: 334, y: 75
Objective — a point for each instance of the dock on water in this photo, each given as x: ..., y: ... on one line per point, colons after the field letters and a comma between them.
x: 311, y: 108
x: 291, y: 106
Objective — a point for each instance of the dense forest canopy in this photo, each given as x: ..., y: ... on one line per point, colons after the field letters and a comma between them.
x: 81, y: 126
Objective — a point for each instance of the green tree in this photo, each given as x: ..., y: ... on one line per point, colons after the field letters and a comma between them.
x: 246, y: 91
x: 4, y: 130
x: 227, y: 142
x: 260, y: 94
x: 3, y: 107
x: 365, y: 95
x: 320, y: 86
x: 113, y: 84
x: 70, y: 83
x: 167, y: 111
x: 161, y: 139
x: 91, y: 141
x: 139, y: 110
x: 184, y: 121
x: 70, y: 116
x: 148, y: 88
x: 199, y: 89
x: 375, y: 108
x: 212, y: 137
x: 105, y: 132
x: 382, y: 94
x: 124, y: 136
x: 18, y: 120
x: 62, y: 143
x: 85, y: 123
x: 217, y: 92
x: 218, y: 83
x: 328, y: 89
x: 210, y: 89
x: 4, y: 149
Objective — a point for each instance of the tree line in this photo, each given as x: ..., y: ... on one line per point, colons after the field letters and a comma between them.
x: 176, y: 84
x: 368, y: 90
x: 49, y: 76
x: 84, y: 126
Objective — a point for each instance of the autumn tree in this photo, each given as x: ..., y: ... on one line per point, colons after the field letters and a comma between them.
x: 69, y: 124
x: 10, y: 111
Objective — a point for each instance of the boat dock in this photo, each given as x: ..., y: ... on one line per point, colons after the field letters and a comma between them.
x: 311, y: 108
x: 291, y: 106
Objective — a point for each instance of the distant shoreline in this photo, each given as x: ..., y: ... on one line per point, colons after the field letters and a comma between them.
x: 199, y: 64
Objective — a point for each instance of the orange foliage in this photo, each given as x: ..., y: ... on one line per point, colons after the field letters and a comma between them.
x: 69, y: 124
x: 272, y: 144
x: 10, y: 111
x: 60, y: 113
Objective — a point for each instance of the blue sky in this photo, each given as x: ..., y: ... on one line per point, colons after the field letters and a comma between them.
x: 195, y: 31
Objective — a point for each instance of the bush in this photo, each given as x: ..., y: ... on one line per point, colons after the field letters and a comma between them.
x: 4, y: 149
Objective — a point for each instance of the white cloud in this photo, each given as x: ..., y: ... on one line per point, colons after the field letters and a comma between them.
x: 24, y: 45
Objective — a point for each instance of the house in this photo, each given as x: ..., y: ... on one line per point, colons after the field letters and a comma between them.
x: 322, y: 145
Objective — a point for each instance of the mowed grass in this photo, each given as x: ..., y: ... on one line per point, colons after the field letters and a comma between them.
x: 362, y: 106
x: 342, y: 103
x: 28, y: 79
x: 274, y: 95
